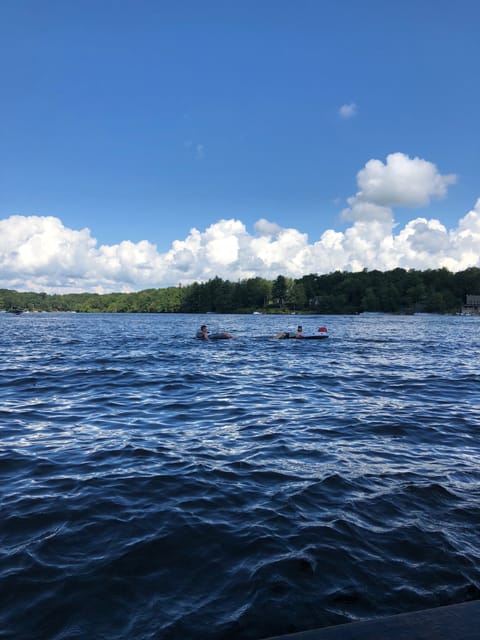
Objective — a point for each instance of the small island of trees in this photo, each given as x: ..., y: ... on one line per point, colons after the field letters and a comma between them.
x: 395, y: 291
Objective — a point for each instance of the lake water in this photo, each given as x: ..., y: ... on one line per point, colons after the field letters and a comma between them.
x: 157, y: 487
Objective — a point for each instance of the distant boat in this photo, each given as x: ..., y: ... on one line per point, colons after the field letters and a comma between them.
x: 16, y: 310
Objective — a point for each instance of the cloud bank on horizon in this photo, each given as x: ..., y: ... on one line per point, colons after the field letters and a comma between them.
x: 38, y: 253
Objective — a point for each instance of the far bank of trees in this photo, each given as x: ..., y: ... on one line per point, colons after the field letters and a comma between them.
x: 396, y: 291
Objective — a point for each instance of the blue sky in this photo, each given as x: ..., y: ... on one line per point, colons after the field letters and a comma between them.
x: 141, y: 120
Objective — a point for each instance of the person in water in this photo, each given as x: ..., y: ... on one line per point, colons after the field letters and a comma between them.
x: 290, y: 334
x: 287, y: 334
x: 203, y: 334
x: 323, y: 331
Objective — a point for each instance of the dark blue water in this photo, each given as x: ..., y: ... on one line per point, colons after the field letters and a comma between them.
x: 155, y: 486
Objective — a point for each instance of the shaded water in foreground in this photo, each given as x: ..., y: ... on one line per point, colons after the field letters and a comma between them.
x: 154, y: 486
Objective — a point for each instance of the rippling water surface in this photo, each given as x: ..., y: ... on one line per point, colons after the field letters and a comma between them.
x: 155, y: 486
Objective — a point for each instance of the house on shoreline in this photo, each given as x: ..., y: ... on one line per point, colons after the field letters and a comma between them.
x: 471, y: 306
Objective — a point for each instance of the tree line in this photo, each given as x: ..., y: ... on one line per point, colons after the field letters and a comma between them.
x: 340, y: 292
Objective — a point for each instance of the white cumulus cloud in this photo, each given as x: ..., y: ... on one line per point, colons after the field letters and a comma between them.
x: 39, y: 253
x: 348, y: 110
x: 401, y: 181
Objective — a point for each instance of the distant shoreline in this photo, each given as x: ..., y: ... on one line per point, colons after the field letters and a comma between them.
x: 393, y: 292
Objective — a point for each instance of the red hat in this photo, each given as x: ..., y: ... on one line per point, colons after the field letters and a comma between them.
x: 322, y: 329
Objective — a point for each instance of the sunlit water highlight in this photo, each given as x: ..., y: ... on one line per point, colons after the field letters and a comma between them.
x: 155, y: 486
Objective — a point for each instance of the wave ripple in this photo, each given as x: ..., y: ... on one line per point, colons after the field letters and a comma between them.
x: 157, y: 487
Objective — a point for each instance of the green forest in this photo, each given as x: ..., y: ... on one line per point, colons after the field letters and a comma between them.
x: 395, y: 291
